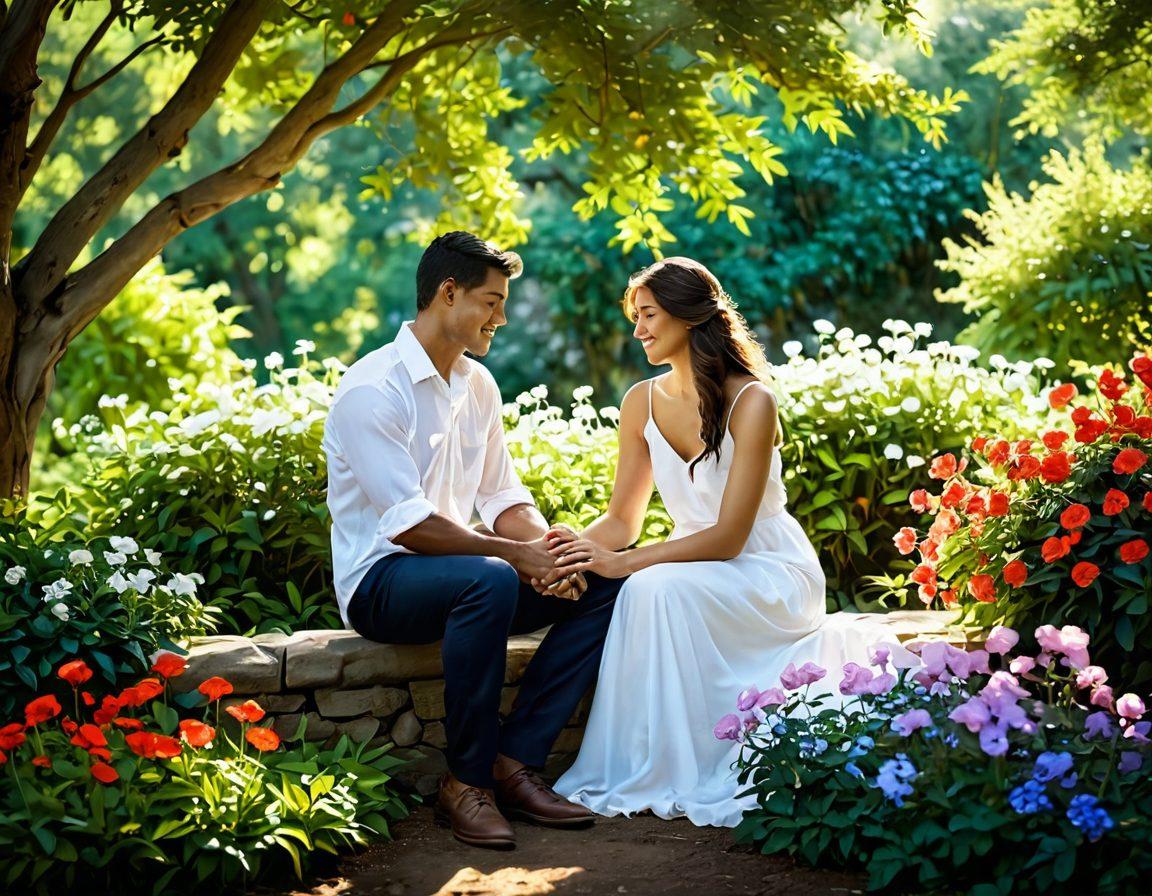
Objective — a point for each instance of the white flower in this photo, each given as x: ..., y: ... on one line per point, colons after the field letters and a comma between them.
x: 57, y: 590
x: 48, y: 554
x: 141, y: 581
x: 835, y: 407
x: 611, y: 414
x: 115, y: 558
x: 268, y: 514
x: 333, y: 364
x: 923, y: 329
x: 15, y: 575
x: 914, y: 461
x: 60, y: 611
x: 117, y: 582
x: 792, y: 348
x: 274, y: 360
x: 303, y: 346
x: 152, y: 557
x: 580, y: 393
x: 1044, y: 363
x: 80, y: 557
x: 824, y: 327
x: 910, y: 405
x: 182, y: 584
x: 539, y: 392
x: 123, y: 545
x: 113, y: 401
x: 893, y: 452
x: 197, y: 423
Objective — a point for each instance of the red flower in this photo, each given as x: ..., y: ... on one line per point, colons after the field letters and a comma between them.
x: 943, y: 467
x: 42, y: 762
x: 349, y: 19
x: 1090, y: 431
x: 1015, y: 573
x: 214, y: 688
x: 905, y: 540
x: 1026, y: 467
x: 1054, y: 439
x: 41, y: 710
x: 979, y: 442
x: 998, y: 453
x: 1130, y: 552
x: 3, y: 757
x: 75, y: 672
x: 69, y: 726
x: 1115, y: 502
x: 197, y: 733
x: 926, y: 593
x: 998, y: 504
x: 104, y: 773
x: 88, y: 699
x: 263, y: 739
x: 930, y: 550
x: 109, y: 709
x: 947, y: 522
x: 11, y: 736
x: 1129, y: 461
x: 248, y: 711
x: 983, y: 588
x: 1075, y: 516
x: 1084, y: 573
x: 152, y: 746
x: 127, y: 724
x: 1061, y: 395
x: 150, y: 688
x: 1111, y: 386
x: 1056, y: 467
x: 920, y: 501
x: 169, y: 665
x: 100, y: 753
x: 1142, y: 366
x: 89, y: 736
x: 977, y: 507
x: 1147, y: 502
x: 923, y: 575
x: 948, y: 597
x: 1054, y: 548
x: 953, y: 495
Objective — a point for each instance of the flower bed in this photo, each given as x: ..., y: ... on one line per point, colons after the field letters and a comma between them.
x: 122, y: 791
x: 977, y: 771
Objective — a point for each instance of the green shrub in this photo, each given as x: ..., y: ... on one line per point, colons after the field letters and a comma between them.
x: 60, y: 596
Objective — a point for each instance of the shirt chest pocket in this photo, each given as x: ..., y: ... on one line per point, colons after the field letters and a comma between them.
x: 471, y: 458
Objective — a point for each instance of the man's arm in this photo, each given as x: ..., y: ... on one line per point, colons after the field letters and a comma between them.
x: 440, y: 535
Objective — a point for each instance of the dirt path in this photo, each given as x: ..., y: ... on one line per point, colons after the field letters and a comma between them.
x: 638, y: 856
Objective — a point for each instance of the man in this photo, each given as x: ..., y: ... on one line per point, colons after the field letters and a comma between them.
x: 414, y: 442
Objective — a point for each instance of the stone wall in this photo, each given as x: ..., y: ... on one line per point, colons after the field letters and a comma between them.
x: 339, y: 683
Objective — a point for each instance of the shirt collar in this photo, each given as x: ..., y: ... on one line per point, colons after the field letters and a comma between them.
x: 419, y: 365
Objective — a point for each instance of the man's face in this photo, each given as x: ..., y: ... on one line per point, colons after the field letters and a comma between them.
x: 476, y: 313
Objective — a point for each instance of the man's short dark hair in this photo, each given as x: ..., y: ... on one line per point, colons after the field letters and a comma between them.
x: 466, y: 259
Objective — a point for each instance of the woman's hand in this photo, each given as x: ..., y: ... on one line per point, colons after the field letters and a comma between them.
x: 560, y: 534
x: 583, y: 555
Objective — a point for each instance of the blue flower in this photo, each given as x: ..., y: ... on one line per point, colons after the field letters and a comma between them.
x: 779, y: 730
x: 1050, y: 766
x: 854, y: 770
x: 1085, y: 813
x: 893, y: 778
x: 862, y: 746
x: 1029, y: 798
x: 951, y: 739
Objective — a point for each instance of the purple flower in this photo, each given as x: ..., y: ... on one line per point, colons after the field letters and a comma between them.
x: 771, y: 697
x: 993, y: 740
x: 1002, y: 684
x: 877, y: 656
x: 1130, y: 706
x: 1050, y: 766
x: 751, y: 723
x: 913, y: 720
x: 1098, y: 724
x: 1070, y: 640
x: 882, y: 683
x: 856, y: 680
x: 728, y: 728
x: 793, y: 678
x: 973, y: 714
x: 1138, y: 731
x: 1091, y: 676
x: 1085, y: 813
x: 1130, y: 761
x: 1001, y: 639
x: 747, y: 699
x: 978, y: 662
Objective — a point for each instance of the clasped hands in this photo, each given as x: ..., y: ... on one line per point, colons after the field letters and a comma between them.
x: 570, y: 556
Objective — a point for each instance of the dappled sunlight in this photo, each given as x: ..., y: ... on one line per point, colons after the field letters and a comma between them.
x: 505, y: 882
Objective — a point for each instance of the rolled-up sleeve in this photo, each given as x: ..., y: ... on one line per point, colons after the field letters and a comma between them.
x: 500, y: 487
x: 371, y: 429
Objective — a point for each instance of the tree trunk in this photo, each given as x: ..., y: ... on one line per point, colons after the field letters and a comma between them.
x: 27, y: 370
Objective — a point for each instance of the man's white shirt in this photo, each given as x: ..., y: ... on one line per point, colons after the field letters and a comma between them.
x: 403, y: 444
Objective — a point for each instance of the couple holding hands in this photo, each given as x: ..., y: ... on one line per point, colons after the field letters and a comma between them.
x: 415, y: 445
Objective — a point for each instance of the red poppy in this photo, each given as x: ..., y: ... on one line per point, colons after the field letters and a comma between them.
x: 1130, y: 552
x: 42, y: 761
x: 1015, y: 573
x: 150, y: 688
x: 197, y: 733
x: 1054, y: 548
x: 130, y: 696
x: 983, y: 588
x: 1054, y: 439
x: 127, y: 724
x: 1084, y: 573
x: 169, y: 665
x: 75, y: 672
x: 248, y: 711
x: 1129, y: 461
x: 100, y: 753
x: 1115, y: 502
x: 1142, y: 366
x: 1056, y: 467
x: 69, y: 726
x: 1026, y: 467
x: 1112, y: 386
x: 89, y: 736
x: 41, y: 710
x: 104, y: 773
x: 151, y: 745
x: 998, y: 504
x: 1075, y: 516
x: 1061, y: 395
x: 943, y: 467
x: 109, y: 709
x: 998, y: 452
x: 979, y: 442
x: 88, y: 699
x: 263, y: 739
x: 1147, y: 502
x: 214, y: 688
x: 11, y: 736
x: 905, y: 540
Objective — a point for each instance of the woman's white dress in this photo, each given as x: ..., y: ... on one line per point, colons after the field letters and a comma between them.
x: 686, y: 638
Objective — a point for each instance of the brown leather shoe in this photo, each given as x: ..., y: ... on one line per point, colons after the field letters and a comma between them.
x: 472, y: 816
x: 523, y: 795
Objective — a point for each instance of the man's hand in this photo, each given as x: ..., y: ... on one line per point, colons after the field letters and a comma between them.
x: 531, y: 558
x: 571, y: 587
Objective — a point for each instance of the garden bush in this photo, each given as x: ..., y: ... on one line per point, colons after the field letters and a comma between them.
x: 1054, y: 526
x: 955, y: 771
x: 140, y: 797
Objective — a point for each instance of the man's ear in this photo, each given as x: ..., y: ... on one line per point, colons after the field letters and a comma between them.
x: 448, y: 289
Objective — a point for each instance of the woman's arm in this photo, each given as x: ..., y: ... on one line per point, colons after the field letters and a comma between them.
x: 753, y: 428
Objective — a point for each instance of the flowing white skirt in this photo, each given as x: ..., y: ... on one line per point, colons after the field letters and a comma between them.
x: 685, y: 639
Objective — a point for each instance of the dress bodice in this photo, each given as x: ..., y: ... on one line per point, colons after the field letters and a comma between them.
x: 693, y: 501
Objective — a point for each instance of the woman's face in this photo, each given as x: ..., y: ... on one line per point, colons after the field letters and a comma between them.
x: 661, y: 335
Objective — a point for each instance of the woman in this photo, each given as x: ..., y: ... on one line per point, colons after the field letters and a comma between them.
x: 735, y: 593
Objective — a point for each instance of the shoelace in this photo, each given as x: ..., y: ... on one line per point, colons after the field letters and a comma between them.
x: 534, y: 779
x: 478, y: 800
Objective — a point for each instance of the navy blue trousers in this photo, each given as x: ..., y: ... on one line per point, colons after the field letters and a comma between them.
x: 474, y: 604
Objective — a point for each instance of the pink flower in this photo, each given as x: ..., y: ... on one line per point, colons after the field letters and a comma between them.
x: 771, y: 697
x: 905, y: 540
x: 1091, y: 676
x: 973, y: 714
x: 751, y: 723
x: 1102, y: 697
x: 747, y: 699
x: 882, y: 683
x: 1021, y: 665
x: 878, y: 656
x: 793, y: 678
x: 1001, y: 639
x: 1130, y: 707
x: 1001, y: 684
x: 1070, y: 640
x: 913, y: 720
x: 728, y: 728
x: 857, y: 680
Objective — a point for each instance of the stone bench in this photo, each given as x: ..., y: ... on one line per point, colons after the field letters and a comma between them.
x: 340, y: 683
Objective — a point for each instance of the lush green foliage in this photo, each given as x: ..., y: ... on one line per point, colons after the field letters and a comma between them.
x: 953, y: 777
x: 1070, y: 540
x: 65, y: 594
x: 1065, y: 271
x: 139, y: 798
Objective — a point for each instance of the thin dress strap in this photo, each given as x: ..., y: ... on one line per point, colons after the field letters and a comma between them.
x: 731, y: 407
x: 651, y: 382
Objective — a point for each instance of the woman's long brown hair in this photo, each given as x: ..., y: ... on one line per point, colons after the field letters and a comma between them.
x: 719, y: 340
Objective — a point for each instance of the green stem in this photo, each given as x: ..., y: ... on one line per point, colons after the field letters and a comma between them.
x: 1111, y: 765
x: 19, y: 786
